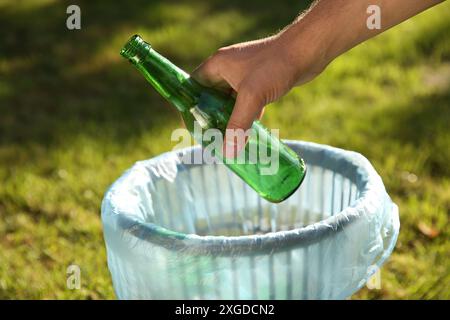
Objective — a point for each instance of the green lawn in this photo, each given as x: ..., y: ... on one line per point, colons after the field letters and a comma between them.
x: 74, y: 115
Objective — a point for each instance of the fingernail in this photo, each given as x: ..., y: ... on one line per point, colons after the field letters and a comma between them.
x: 229, y: 148
x: 235, y: 141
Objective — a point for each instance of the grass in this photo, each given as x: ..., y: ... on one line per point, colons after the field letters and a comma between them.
x: 74, y: 116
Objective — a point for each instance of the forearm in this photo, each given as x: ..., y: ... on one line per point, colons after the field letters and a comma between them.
x: 331, y: 27
x: 263, y: 70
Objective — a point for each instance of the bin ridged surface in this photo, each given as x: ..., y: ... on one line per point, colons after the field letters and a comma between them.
x: 186, y: 231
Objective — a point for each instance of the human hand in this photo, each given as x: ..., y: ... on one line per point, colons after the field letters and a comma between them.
x: 258, y: 72
x: 261, y: 71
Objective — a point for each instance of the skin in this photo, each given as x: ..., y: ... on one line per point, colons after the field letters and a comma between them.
x: 261, y: 71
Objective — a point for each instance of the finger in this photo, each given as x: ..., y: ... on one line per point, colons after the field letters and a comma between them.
x: 246, y: 109
x: 209, y: 74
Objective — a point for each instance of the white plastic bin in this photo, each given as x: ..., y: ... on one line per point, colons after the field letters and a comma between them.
x: 177, y: 231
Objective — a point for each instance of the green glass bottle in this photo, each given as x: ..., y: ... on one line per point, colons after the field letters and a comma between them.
x: 210, y: 108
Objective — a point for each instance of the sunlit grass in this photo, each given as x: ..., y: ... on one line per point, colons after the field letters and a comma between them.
x: 75, y: 115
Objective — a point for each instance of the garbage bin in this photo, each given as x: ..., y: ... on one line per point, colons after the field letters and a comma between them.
x: 190, y: 231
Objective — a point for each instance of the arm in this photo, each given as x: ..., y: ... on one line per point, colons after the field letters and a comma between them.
x: 336, y: 26
x: 262, y: 71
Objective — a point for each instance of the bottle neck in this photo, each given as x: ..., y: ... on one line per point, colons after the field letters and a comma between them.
x: 171, y: 82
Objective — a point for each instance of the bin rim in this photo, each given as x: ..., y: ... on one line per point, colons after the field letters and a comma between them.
x: 370, y: 187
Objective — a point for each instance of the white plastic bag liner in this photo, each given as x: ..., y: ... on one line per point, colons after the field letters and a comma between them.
x: 177, y: 231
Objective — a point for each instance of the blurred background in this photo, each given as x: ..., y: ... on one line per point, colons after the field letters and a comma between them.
x: 74, y: 115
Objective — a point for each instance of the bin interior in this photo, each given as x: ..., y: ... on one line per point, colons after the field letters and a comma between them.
x: 211, y: 200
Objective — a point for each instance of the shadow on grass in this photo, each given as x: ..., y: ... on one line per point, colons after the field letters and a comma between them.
x: 44, y: 102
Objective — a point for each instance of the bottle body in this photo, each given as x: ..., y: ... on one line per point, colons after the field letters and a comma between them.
x: 266, y: 164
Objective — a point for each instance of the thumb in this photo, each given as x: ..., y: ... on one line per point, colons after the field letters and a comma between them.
x: 247, y: 108
x: 209, y: 73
